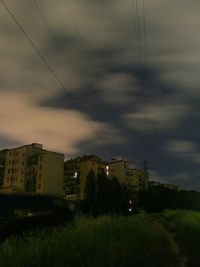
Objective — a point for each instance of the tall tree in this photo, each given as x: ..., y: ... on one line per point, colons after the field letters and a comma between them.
x: 102, y: 195
x: 90, y: 193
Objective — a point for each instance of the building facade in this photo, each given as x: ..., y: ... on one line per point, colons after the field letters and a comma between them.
x: 75, y: 174
x: 76, y: 171
x: 126, y: 174
x: 2, y: 165
x: 31, y: 169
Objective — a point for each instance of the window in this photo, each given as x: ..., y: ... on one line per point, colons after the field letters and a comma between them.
x: 8, y: 170
x: 39, y: 186
x: 10, y: 153
x: 75, y: 174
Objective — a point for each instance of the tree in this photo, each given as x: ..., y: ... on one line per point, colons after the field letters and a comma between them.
x: 102, y: 193
x: 90, y: 193
x: 116, y: 196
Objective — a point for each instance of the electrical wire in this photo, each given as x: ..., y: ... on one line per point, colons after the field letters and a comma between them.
x: 58, y: 43
x: 82, y: 41
x: 44, y: 60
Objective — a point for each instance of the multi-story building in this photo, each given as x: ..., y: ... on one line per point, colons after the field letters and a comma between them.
x: 75, y: 173
x: 31, y: 169
x: 2, y: 165
x: 127, y: 175
x: 77, y: 169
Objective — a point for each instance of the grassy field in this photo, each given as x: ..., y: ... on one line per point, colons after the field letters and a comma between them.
x: 139, y: 241
x: 186, y: 228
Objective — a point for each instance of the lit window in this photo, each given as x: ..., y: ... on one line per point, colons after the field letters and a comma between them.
x: 107, y: 173
x: 75, y: 174
x: 107, y: 167
x: 130, y: 210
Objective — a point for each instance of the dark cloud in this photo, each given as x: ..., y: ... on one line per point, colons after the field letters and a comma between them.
x: 98, y: 65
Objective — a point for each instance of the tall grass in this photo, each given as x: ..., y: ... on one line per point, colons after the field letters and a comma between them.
x: 186, y: 227
x: 103, y: 242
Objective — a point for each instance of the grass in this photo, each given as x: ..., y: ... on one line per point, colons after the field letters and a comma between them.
x: 109, y: 242
x: 186, y: 227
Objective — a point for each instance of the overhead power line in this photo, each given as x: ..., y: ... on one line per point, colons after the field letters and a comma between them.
x: 82, y: 40
x: 44, y: 60
x: 140, y: 21
x: 58, y: 43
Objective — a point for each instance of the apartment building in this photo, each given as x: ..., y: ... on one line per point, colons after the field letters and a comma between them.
x: 127, y: 175
x: 75, y: 174
x: 2, y: 165
x: 32, y: 169
x: 77, y: 169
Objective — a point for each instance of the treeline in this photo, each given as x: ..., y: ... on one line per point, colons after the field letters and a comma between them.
x: 159, y: 198
x: 105, y: 196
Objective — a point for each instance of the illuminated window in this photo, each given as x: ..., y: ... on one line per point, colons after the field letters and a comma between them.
x: 107, y: 173
x: 107, y: 167
x: 75, y: 174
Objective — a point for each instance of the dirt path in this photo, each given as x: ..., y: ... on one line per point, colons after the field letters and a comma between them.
x: 176, y: 245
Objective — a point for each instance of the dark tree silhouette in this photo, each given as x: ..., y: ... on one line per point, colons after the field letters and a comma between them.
x: 90, y: 193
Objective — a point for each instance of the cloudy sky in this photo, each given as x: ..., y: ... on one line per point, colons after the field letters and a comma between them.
x: 110, y: 77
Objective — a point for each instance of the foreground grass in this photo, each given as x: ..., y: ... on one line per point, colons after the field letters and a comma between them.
x: 131, y: 241
x: 186, y: 227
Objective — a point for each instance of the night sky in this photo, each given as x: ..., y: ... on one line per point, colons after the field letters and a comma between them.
x: 127, y: 85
